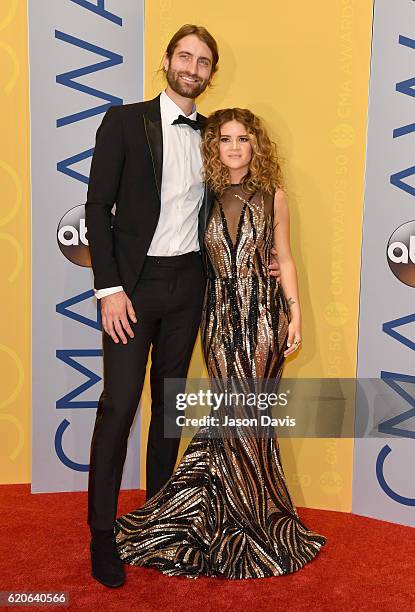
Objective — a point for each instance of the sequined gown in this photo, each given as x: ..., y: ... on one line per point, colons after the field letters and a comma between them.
x: 226, y: 511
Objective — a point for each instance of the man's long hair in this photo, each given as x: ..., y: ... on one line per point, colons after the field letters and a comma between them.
x: 202, y: 34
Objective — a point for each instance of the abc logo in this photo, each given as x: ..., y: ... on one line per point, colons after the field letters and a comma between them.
x: 401, y: 253
x: 72, y: 237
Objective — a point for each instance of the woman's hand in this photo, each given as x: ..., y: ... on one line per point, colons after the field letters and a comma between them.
x: 294, y: 337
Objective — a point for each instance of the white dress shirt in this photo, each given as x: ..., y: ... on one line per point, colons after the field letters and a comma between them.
x: 181, y: 188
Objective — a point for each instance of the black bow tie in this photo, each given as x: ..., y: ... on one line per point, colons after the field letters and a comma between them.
x: 182, y: 119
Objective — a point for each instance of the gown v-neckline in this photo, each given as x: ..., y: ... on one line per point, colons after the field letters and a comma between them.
x: 234, y: 245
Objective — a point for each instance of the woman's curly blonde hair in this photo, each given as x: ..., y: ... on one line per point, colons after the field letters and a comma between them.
x: 264, y: 169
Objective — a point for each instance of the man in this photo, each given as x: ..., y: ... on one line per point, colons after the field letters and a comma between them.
x: 148, y: 272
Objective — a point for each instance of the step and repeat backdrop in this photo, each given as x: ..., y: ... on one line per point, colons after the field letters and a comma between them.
x: 384, y: 483
x: 83, y: 57
x: 309, y: 71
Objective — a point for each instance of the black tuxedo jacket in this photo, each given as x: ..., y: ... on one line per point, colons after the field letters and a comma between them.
x: 126, y: 169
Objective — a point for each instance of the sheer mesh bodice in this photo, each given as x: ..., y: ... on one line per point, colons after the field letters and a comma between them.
x: 240, y: 234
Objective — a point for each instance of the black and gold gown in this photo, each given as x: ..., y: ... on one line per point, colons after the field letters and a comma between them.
x: 226, y: 511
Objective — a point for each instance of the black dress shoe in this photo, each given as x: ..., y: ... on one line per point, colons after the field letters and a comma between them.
x: 107, y: 567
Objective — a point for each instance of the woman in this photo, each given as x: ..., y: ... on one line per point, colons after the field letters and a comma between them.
x: 226, y: 511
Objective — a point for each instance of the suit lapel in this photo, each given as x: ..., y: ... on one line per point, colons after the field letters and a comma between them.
x: 154, y: 135
x: 202, y: 120
x: 205, y: 211
x: 207, y: 201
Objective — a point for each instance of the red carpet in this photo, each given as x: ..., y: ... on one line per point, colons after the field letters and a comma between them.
x: 365, y: 565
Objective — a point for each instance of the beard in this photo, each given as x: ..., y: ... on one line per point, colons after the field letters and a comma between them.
x: 186, y: 89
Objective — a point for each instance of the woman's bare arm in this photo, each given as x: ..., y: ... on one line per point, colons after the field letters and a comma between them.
x: 288, y: 269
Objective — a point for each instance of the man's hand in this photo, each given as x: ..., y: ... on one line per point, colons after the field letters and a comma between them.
x: 274, y: 267
x: 114, y: 311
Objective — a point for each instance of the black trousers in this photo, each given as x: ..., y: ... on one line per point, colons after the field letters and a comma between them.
x: 168, y: 302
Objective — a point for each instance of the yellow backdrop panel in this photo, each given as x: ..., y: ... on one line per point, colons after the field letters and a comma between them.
x: 14, y: 246
x: 303, y: 67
